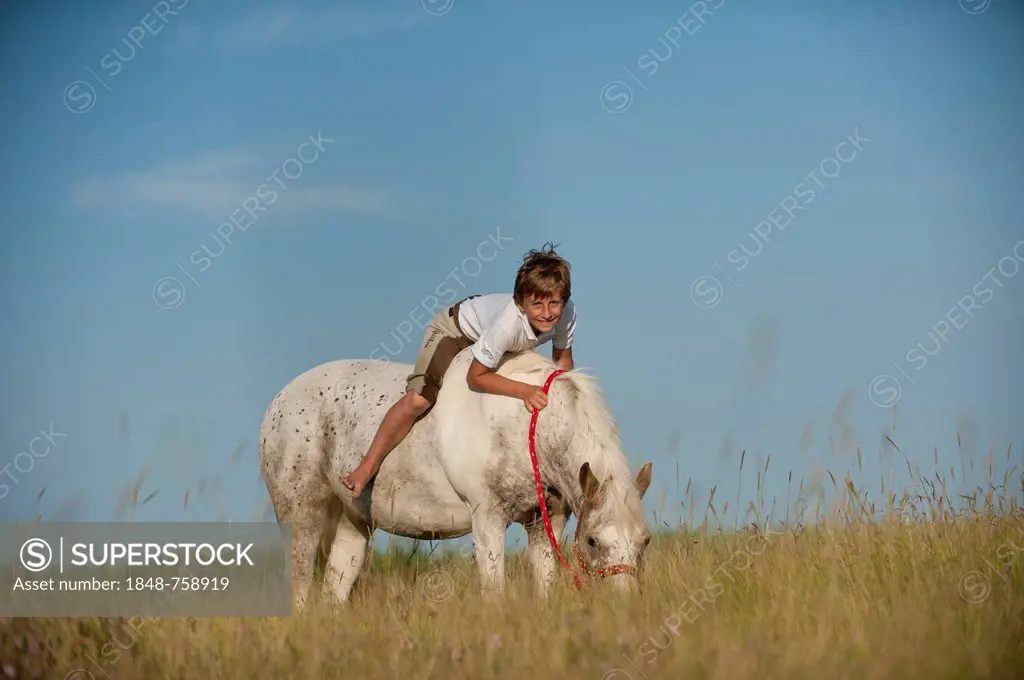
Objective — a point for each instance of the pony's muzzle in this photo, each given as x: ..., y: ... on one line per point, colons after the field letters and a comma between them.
x: 624, y: 582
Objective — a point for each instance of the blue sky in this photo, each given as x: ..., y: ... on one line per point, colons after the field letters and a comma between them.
x: 446, y: 128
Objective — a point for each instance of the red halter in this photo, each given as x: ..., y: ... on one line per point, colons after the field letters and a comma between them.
x: 603, y: 571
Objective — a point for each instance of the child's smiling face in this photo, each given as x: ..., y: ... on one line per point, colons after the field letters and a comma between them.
x: 542, y: 312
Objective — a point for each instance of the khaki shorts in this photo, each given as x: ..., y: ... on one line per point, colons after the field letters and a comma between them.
x: 442, y: 341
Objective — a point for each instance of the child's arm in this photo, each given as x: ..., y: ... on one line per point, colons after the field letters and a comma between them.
x: 482, y: 378
x: 491, y: 346
x: 562, y: 358
x: 561, y: 344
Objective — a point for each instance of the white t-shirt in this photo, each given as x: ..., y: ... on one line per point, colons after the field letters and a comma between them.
x: 496, y: 326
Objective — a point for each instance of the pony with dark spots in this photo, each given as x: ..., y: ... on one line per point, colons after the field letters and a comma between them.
x: 464, y: 468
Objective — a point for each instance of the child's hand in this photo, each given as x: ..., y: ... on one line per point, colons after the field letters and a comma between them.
x: 535, y: 399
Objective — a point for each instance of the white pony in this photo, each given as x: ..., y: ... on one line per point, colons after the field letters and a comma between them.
x: 464, y: 467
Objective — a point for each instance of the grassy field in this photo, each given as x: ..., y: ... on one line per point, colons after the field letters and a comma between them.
x: 862, y: 592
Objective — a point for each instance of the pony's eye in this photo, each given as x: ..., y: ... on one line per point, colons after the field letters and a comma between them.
x: 592, y: 542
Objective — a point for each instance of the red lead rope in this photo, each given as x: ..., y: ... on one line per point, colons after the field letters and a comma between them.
x: 540, y: 487
x: 605, y: 571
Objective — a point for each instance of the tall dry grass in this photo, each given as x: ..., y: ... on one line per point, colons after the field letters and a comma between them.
x: 926, y: 585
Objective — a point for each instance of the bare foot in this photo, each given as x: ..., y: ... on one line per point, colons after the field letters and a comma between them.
x: 359, y: 478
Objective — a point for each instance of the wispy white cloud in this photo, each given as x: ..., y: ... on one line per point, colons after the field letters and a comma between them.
x: 345, y: 198
x: 303, y: 27
x: 213, y: 184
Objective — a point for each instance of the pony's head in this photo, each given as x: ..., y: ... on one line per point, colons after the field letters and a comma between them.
x: 612, y: 531
x: 580, y: 430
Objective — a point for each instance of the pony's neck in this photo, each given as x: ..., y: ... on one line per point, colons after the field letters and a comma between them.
x: 585, y: 446
x: 566, y: 475
x: 587, y: 433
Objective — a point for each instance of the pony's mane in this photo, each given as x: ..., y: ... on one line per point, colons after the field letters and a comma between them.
x: 597, y: 425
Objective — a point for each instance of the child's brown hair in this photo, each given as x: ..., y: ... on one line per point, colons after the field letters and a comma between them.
x: 543, y: 274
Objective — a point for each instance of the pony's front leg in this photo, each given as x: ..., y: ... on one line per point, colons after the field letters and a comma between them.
x: 541, y: 556
x: 489, y: 529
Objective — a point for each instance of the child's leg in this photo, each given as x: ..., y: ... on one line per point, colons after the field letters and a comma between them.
x: 396, y: 424
x: 441, y: 343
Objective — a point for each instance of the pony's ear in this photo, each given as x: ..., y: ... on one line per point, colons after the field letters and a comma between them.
x: 589, y: 483
x: 643, y: 479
